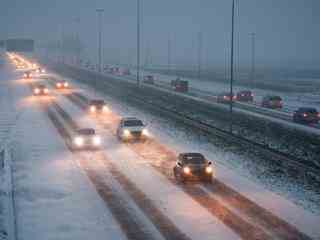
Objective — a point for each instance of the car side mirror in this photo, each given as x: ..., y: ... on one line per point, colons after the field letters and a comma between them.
x: 209, y: 163
x: 179, y: 164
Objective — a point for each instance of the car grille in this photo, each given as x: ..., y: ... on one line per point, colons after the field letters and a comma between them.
x: 136, y: 133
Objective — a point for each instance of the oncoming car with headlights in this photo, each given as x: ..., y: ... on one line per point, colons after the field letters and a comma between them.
x: 193, y: 166
x: 85, y: 138
x: 132, y: 129
x: 98, y: 106
x: 40, y: 90
x: 40, y: 70
x: 27, y: 74
x: 62, y: 85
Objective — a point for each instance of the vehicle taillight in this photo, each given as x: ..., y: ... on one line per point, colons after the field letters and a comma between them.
x: 318, y: 115
x: 305, y: 115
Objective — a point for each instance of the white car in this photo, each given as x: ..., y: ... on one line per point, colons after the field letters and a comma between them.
x: 85, y: 138
x: 132, y: 129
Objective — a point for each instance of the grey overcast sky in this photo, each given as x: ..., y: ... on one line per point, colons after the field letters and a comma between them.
x: 287, y: 31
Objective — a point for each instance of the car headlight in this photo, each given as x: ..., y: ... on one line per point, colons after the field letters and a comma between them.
x: 46, y: 90
x: 66, y: 84
x: 37, y: 91
x: 186, y: 170
x: 92, y: 108
x: 43, y: 71
x: 209, y: 170
x: 96, y: 140
x: 145, y: 132
x: 58, y: 85
x: 126, y: 132
x: 37, y: 71
x: 105, y: 109
x: 78, y: 141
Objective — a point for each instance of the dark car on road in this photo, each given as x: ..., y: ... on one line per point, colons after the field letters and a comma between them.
x: 193, y: 166
x: 98, y: 106
x: 306, y: 115
x: 245, y: 96
x: 274, y: 102
x: 148, y: 79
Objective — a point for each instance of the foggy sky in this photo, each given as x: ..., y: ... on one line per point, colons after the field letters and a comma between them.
x: 287, y: 31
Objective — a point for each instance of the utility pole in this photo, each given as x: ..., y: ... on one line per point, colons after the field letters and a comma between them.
x: 169, y: 55
x: 199, y: 54
x: 77, y: 37
x: 252, y: 74
x: 231, y: 68
x: 138, y: 43
x: 99, y: 11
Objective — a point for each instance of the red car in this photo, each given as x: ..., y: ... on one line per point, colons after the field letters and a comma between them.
x: 306, y: 115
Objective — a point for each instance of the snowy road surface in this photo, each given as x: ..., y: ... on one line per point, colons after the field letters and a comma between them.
x: 120, y: 192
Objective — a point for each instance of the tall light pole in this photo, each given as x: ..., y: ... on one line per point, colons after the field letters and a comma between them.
x: 169, y: 55
x: 138, y: 42
x: 252, y: 74
x: 77, y: 37
x: 99, y: 11
x: 231, y: 68
x: 199, y: 54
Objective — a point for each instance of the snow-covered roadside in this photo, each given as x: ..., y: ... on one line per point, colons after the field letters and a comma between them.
x: 53, y: 197
x: 241, y: 179
x: 9, y: 114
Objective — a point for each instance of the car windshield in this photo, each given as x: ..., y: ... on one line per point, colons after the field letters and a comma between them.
x: 309, y: 110
x: 86, y: 131
x: 194, y: 158
x: 97, y: 102
x: 133, y: 123
x: 275, y: 98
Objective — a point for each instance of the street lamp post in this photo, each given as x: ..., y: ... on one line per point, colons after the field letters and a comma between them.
x: 77, y: 38
x: 231, y: 68
x: 138, y: 42
x: 199, y: 54
x: 99, y: 11
x: 252, y: 74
